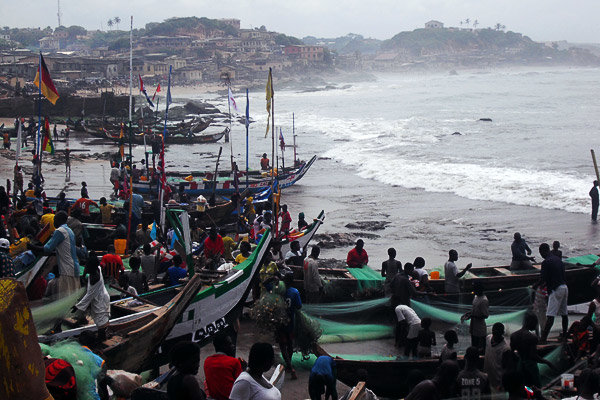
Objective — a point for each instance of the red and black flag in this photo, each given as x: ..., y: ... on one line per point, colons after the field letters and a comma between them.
x: 48, y: 89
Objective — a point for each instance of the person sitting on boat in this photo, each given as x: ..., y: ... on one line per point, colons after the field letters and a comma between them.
x: 137, y: 204
x: 471, y: 383
x: 495, y: 347
x: 586, y: 384
x: 357, y: 257
x: 302, y: 224
x: 556, y: 249
x: 185, y: 357
x: 177, y: 271
x: 251, y: 384
x: 442, y: 386
x: 553, y: 275
x: 389, y: 269
x: 286, y: 220
x: 579, y: 332
x: 221, y: 369
x: 124, y: 284
x: 322, y: 379
x: 264, y: 163
x: 313, y: 283
x: 136, y: 278
x: 112, y: 265
x: 245, y: 250
x: 401, y: 287
x: 213, y: 249
x: 421, y: 274
x: 295, y: 255
x: 520, y: 254
x: 451, y: 274
x: 478, y: 314
x: 148, y: 262
x: 524, y: 342
x: 276, y: 253
x: 63, y: 242
x: 96, y: 298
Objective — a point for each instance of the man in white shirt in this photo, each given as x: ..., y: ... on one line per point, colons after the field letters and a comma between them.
x: 451, y: 274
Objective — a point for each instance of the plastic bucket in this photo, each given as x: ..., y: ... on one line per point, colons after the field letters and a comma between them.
x: 434, y: 275
x: 120, y: 246
x: 567, y: 381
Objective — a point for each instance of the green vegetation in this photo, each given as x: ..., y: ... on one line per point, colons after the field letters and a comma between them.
x: 349, y: 44
x: 174, y: 26
x: 285, y: 40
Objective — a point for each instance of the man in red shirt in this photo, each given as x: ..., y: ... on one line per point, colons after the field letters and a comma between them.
x: 112, y: 265
x: 357, y: 257
x: 84, y: 205
x: 286, y: 220
x: 213, y: 249
x: 221, y: 369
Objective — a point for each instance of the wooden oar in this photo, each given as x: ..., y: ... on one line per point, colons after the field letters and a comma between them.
x: 133, y: 295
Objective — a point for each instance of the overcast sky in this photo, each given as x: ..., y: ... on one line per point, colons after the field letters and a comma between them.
x: 542, y: 20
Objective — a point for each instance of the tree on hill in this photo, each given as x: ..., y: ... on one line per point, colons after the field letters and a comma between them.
x: 285, y: 40
x: 117, y: 21
x: 110, y: 23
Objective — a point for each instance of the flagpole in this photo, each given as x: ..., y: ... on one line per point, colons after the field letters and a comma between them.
x: 294, y: 137
x: 229, y: 96
x: 247, y: 126
x: 163, y: 173
x: 273, y: 147
x: 38, y: 141
x: 129, y: 227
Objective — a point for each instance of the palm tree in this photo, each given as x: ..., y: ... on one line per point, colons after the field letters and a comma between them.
x: 498, y: 26
x: 503, y: 27
x: 117, y: 20
x: 475, y: 23
x: 110, y: 23
x: 467, y: 20
x: 461, y: 24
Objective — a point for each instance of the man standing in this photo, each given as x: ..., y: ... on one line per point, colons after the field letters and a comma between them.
x: 264, y: 163
x: 137, y: 204
x: 112, y: 265
x: 213, y: 249
x: 389, y: 269
x: 401, y: 288
x: 553, y: 274
x: 595, y: 200
x: 221, y: 369
x: 471, y: 382
x: 63, y: 242
x: 451, y: 274
x: 357, y: 257
x: 285, y: 334
x: 286, y: 220
x: 520, y: 254
x: 313, y: 283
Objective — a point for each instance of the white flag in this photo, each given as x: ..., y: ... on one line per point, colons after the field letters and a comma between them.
x: 232, y: 102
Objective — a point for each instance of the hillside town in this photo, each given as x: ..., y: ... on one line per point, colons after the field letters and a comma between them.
x: 202, y: 50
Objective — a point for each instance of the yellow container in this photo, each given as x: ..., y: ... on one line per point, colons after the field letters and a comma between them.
x: 120, y: 246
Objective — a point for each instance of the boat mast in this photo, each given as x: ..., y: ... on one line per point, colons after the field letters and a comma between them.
x: 129, y: 227
x: 294, y: 137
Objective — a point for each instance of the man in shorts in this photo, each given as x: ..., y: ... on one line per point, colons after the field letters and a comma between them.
x: 553, y: 275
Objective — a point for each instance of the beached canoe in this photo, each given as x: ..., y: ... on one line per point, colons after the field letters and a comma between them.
x: 225, y: 186
x: 304, y: 236
x: 173, y: 137
x: 213, y: 309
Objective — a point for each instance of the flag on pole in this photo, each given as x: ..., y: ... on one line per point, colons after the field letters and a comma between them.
x: 122, y: 144
x: 143, y: 90
x: 247, y: 110
x: 156, y: 91
x: 232, y: 102
x: 47, y: 146
x: 19, y: 139
x: 47, y: 86
x: 169, y: 99
x: 281, y: 140
x: 270, y: 94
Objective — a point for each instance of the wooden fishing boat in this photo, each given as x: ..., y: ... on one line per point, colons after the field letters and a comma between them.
x: 390, y: 378
x: 134, y: 342
x: 225, y: 186
x: 578, y: 279
x: 213, y: 309
x: 172, y: 137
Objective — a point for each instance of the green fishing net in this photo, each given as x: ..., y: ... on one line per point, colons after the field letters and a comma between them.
x: 83, y: 362
x: 367, y: 278
x: 46, y: 316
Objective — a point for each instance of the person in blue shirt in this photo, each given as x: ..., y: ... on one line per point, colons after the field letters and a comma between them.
x: 177, y: 271
x: 137, y: 203
x: 322, y: 379
x: 285, y: 334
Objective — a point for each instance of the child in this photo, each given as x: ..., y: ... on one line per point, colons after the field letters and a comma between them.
x: 580, y: 335
x: 244, y: 253
x: 84, y: 191
x: 556, y: 249
x: 426, y: 339
x: 136, y: 278
x: 124, y: 283
x: 105, y: 211
x: 448, y: 351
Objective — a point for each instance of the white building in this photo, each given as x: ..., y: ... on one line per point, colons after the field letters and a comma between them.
x: 434, y: 25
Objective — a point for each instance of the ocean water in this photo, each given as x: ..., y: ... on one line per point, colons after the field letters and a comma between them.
x: 388, y: 152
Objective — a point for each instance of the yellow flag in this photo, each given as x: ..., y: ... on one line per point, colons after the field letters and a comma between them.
x: 269, y: 99
x: 122, y: 144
